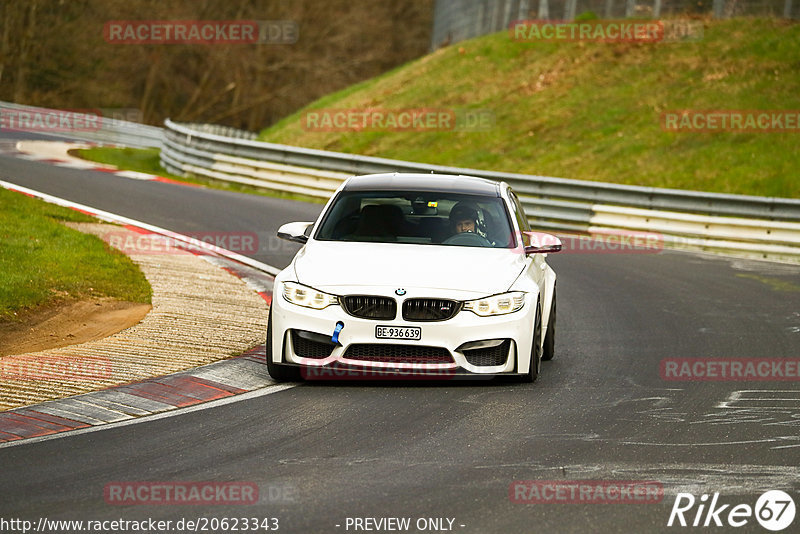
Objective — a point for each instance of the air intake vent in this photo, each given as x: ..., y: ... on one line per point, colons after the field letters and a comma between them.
x: 311, y: 345
x: 488, y: 356
x: 398, y: 353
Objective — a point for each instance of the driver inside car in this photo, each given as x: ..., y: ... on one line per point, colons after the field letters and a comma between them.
x: 467, y: 219
x: 463, y: 218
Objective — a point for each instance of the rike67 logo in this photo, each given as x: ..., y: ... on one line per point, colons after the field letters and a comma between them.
x: 774, y: 510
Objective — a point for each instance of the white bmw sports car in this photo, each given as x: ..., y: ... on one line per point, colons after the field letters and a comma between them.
x: 414, y: 275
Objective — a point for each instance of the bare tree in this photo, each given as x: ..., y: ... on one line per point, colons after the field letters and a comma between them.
x: 54, y: 54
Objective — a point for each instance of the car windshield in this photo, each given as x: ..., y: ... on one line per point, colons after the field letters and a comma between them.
x: 425, y: 218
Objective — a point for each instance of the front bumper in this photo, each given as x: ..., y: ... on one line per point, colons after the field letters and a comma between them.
x: 514, y: 330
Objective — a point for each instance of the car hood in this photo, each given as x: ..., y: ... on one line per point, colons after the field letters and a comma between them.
x: 342, y: 266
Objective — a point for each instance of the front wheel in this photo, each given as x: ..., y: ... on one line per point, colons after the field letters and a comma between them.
x: 536, y: 348
x: 278, y: 372
x: 550, y: 336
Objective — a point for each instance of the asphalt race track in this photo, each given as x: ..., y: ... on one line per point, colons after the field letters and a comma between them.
x: 323, y: 455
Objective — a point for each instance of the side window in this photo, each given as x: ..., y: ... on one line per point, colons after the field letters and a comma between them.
x: 522, y: 220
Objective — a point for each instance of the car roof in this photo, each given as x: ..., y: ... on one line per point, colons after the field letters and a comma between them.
x: 449, y: 183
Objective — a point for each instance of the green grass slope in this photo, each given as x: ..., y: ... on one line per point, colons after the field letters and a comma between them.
x: 592, y: 110
x: 43, y: 262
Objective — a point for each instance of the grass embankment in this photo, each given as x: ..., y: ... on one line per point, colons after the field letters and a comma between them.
x: 42, y: 262
x: 147, y: 160
x: 591, y: 110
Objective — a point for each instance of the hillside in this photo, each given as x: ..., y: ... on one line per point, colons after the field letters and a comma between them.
x: 590, y: 110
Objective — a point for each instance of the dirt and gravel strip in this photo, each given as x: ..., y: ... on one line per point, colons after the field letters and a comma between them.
x: 201, y: 313
x: 62, y: 324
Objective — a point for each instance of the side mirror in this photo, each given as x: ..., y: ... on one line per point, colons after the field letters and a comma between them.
x: 295, y: 231
x: 542, y: 243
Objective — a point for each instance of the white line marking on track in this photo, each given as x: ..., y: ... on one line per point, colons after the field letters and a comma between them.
x: 136, y: 175
x: 76, y: 165
x: 712, y: 444
x: 784, y: 399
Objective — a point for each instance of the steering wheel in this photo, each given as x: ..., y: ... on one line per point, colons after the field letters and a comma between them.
x: 468, y: 239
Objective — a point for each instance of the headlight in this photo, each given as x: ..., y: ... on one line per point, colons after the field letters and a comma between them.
x: 496, y: 304
x: 307, y: 296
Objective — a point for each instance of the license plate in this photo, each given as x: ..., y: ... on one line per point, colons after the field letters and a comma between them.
x: 413, y: 333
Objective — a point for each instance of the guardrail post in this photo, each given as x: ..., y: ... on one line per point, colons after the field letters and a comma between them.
x: 718, y: 8
x: 506, y: 15
x: 544, y: 10
x: 609, y: 9
x: 630, y: 8
x: 787, y: 9
x: 523, y: 12
x: 569, y: 9
x: 656, y: 9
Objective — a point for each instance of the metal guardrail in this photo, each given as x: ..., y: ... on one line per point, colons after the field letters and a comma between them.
x: 180, y: 139
x: 758, y: 226
x: 108, y: 130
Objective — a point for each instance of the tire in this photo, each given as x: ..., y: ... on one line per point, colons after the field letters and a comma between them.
x: 278, y: 372
x: 550, y: 337
x: 536, y: 348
